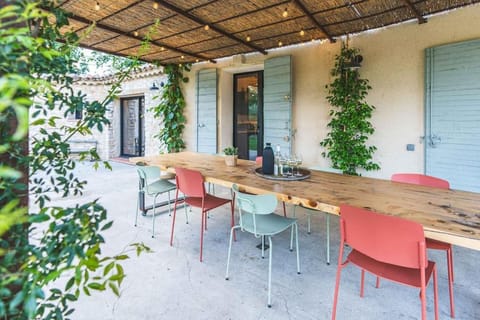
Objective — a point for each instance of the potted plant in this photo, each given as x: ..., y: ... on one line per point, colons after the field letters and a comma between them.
x: 231, y: 155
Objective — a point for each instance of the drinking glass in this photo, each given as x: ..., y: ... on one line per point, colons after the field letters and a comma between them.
x: 298, y: 163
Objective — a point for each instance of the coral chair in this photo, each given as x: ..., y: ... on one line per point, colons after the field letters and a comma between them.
x: 388, y: 247
x: 191, y: 184
x: 257, y: 217
x: 429, y: 181
x: 152, y: 185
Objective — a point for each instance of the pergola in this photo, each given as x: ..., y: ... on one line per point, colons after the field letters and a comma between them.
x: 189, y: 31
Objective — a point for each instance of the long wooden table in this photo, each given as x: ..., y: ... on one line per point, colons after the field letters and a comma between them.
x: 447, y: 215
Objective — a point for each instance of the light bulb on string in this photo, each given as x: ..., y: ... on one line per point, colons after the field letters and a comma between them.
x: 302, y: 33
x: 248, y: 38
x: 155, y: 5
x: 97, y: 6
x: 285, y: 13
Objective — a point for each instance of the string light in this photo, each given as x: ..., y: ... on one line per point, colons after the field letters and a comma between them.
x: 207, y: 27
x: 135, y: 33
x: 155, y: 5
x: 248, y: 38
x: 162, y: 48
x: 302, y: 33
x: 97, y: 6
x: 182, y: 57
x: 285, y: 13
x: 196, y: 60
x: 280, y: 43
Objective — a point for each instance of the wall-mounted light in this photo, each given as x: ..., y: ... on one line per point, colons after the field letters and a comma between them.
x: 154, y: 86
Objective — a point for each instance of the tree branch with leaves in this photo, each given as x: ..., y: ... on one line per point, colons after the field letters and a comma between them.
x: 346, y: 143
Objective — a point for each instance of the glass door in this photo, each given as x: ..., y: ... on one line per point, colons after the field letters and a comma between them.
x: 132, y: 133
x: 248, y: 114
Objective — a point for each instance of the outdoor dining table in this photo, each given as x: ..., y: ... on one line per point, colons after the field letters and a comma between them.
x: 451, y: 216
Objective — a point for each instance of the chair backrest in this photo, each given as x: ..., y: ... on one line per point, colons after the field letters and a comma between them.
x: 190, y: 182
x: 148, y: 173
x: 421, y: 179
x: 256, y: 204
x: 384, y: 238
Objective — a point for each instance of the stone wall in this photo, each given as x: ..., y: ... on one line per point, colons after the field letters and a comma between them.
x: 109, y: 140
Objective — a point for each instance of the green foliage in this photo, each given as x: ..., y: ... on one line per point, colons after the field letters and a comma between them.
x: 38, y: 248
x: 230, y: 151
x: 170, y: 109
x: 350, y: 128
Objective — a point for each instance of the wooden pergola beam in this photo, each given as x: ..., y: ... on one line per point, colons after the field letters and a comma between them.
x: 421, y: 19
x: 212, y: 27
x: 128, y: 35
x: 312, y: 18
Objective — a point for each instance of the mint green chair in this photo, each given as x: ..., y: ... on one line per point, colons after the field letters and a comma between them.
x: 257, y: 217
x: 152, y: 185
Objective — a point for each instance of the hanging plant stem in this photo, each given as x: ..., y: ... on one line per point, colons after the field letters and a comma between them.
x: 350, y: 128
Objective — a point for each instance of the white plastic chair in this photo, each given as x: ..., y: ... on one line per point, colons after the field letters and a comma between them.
x: 257, y: 217
x: 152, y: 185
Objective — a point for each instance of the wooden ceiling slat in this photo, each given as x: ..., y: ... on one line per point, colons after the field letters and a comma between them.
x: 181, y: 29
x: 312, y: 18
x: 126, y: 34
x: 216, y: 29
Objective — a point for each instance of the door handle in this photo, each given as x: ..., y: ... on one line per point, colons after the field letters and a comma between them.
x: 434, y: 140
x: 201, y: 125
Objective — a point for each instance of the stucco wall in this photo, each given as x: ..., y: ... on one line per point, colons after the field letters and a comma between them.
x: 394, y: 64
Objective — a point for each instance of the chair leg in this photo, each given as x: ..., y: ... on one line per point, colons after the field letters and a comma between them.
x: 435, y: 292
x: 297, y: 248
x: 232, y: 220
x: 291, y: 239
x: 337, y: 282
x: 450, y: 281
x: 269, y: 303
x: 327, y: 217
x: 232, y: 231
x: 174, y: 215
x: 362, y: 283
x: 186, y: 213
x: 154, y: 211
x: 136, y: 214
x: 284, y: 209
x: 309, y: 218
x: 169, y: 205
x: 201, y: 234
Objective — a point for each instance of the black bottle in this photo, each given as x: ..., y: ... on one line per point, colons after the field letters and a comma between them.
x: 268, y: 159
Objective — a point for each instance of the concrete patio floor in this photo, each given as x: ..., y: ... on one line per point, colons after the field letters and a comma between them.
x: 171, y: 283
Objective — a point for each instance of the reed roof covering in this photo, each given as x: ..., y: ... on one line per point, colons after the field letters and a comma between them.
x: 188, y: 31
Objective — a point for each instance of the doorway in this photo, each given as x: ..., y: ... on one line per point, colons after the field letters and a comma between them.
x: 132, y: 126
x: 452, y: 147
x: 248, y: 114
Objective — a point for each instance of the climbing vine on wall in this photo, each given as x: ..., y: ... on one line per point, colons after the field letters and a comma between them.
x: 171, y: 107
x: 350, y: 128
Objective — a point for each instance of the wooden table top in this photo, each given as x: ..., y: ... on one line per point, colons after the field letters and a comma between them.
x: 447, y: 215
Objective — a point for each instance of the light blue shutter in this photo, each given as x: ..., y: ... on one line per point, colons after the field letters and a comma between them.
x: 277, y: 108
x: 207, y: 111
x: 452, y: 128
